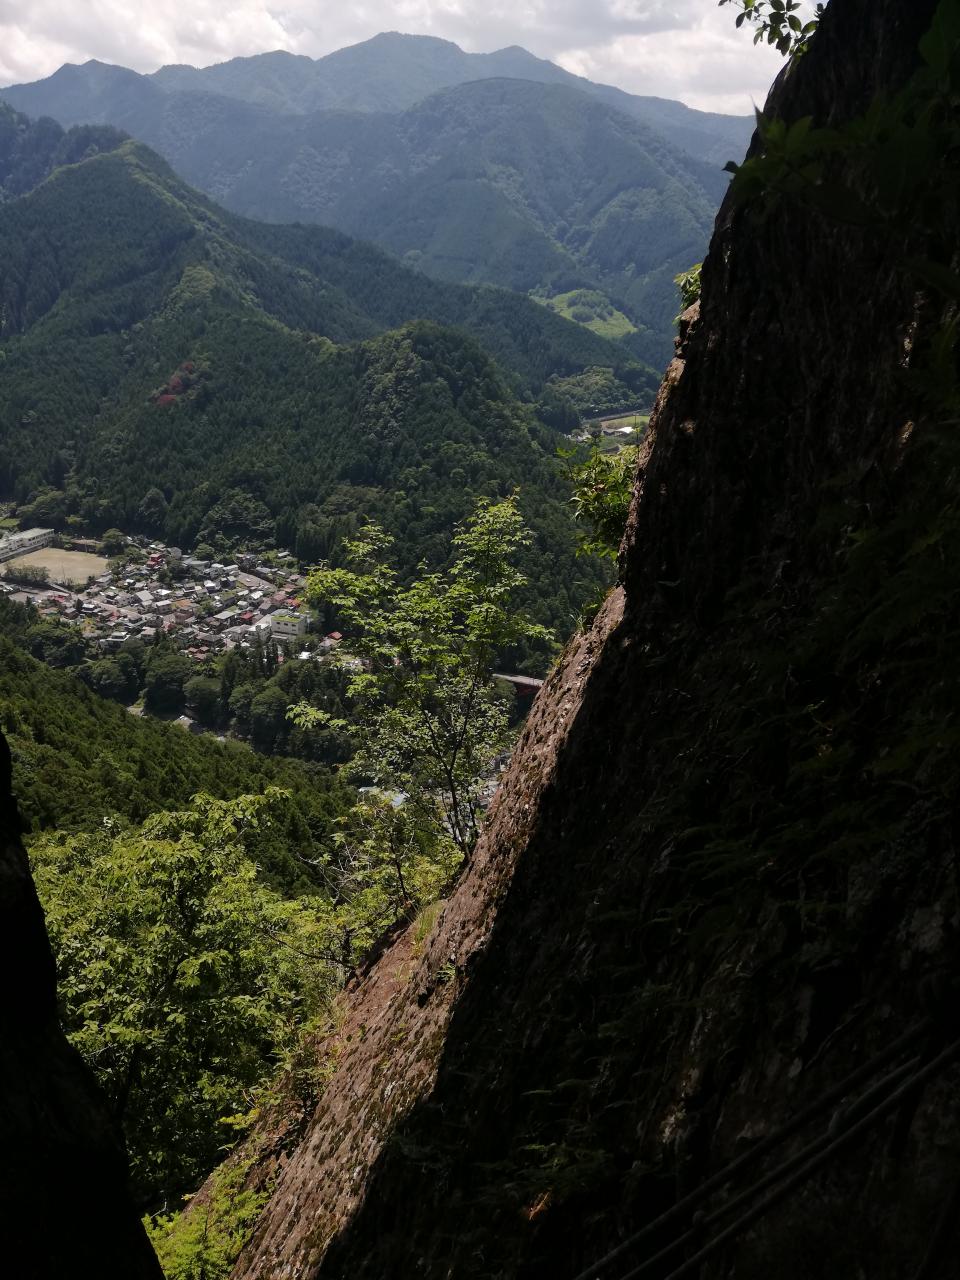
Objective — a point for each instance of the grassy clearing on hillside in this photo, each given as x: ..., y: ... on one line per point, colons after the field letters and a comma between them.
x: 591, y: 309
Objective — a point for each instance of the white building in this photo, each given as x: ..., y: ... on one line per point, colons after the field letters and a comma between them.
x: 287, y: 625
x: 27, y: 540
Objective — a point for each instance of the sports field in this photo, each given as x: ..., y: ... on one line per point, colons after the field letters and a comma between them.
x: 63, y: 566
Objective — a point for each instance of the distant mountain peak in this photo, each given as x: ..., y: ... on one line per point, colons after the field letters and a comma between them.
x: 406, y: 37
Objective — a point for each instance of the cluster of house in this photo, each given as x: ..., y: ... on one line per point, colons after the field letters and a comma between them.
x: 206, y: 606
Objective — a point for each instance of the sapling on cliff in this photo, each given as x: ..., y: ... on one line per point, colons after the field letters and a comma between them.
x: 429, y: 719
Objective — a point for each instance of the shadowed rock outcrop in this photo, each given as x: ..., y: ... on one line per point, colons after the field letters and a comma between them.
x: 714, y: 914
x: 65, y: 1209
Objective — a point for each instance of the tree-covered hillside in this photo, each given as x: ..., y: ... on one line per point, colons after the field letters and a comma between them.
x: 528, y: 186
x: 30, y: 150
x: 497, y: 168
x: 151, y: 341
x: 79, y: 758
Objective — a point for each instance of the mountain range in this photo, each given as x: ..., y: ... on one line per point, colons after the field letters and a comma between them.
x: 497, y: 168
x: 268, y: 383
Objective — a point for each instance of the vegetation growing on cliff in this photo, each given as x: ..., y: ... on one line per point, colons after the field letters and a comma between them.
x: 778, y: 22
x: 204, y: 1243
x: 428, y: 722
x: 602, y: 490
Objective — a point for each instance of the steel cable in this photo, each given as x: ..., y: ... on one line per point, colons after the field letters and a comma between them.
x: 836, y: 1094
x: 815, y: 1162
x: 769, y: 1179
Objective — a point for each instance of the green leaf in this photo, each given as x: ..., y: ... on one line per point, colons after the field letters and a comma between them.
x: 938, y: 46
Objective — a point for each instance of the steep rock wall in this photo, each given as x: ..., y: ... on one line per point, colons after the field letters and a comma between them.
x: 721, y: 874
x: 64, y: 1205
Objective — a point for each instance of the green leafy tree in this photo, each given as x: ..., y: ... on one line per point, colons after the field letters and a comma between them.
x: 48, y: 507
x: 167, y: 673
x: 183, y: 977
x: 32, y: 575
x: 202, y: 695
x: 778, y: 22
x: 389, y: 860
x: 430, y: 723
x: 114, y: 678
x: 268, y: 715
x: 56, y: 644
x: 240, y: 702
x: 602, y: 492
x: 113, y: 543
x: 152, y: 511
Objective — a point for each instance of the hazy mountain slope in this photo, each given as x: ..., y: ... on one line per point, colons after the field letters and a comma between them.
x: 534, y: 186
x: 530, y: 186
x: 389, y: 72
x: 522, y: 185
x: 31, y: 149
x: 392, y: 71
x: 452, y: 158
x: 149, y: 342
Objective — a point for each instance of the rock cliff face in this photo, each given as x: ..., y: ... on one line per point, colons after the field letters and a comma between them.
x: 64, y: 1205
x: 714, y: 915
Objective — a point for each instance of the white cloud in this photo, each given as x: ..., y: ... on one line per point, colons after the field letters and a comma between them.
x: 686, y: 49
x: 707, y: 64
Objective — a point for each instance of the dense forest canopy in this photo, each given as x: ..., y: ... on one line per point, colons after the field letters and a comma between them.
x: 79, y: 757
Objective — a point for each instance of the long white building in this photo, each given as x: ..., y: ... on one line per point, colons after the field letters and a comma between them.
x: 19, y: 544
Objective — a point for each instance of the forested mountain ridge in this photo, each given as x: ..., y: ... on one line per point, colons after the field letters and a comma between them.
x: 528, y: 186
x: 361, y: 292
x: 393, y: 71
x: 150, y: 340
x: 449, y: 158
x: 30, y: 150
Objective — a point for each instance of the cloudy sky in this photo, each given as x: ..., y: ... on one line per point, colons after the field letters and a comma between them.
x: 686, y: 49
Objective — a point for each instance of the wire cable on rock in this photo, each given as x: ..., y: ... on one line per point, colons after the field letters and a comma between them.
x: 834, y: 1095
x: 810, y: 1166
x: 821, y: 1144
